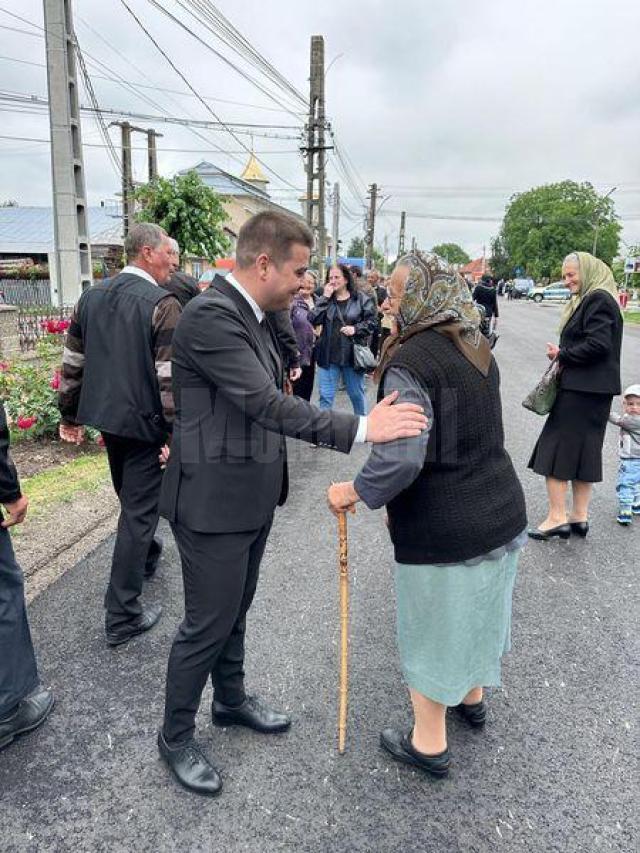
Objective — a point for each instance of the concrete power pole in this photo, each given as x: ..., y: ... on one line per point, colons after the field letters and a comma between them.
x: 371, y: 225
x: 413, y: 244
x: 336, y: 224
x: 403, y: 224
x: 315, y: 151
x: 128, y: 186
x: 72, y: 252
x: 152, y: 153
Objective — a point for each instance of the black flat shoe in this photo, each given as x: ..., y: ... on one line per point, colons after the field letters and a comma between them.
x: 475, y: 715
x: 30, y: 713
x: 153, y: 557
x: 400, y: 747
x: 253, y: 714
x: 562, y: 531
x: 124, y: 633
x: 579, y: 528
x: 191, y: 767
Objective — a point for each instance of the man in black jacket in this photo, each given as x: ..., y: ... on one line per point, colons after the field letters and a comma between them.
x: 227, y: 472
x: 485, y: 294
x: 24, y: 705
x: 116, y: 377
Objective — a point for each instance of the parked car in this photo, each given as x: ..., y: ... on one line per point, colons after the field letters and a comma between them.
x: 557, y: 291
x: 521, y: 287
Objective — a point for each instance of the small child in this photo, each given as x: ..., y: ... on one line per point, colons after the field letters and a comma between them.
x: 628, y: 487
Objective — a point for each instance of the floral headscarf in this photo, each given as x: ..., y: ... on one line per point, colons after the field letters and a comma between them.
x: 436, y: 296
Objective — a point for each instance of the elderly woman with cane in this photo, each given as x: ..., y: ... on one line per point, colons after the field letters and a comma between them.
x: 455, y: 565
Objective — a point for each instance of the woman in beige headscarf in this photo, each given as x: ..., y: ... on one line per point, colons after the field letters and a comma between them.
x: 455, y: 507
x: 570, y: 446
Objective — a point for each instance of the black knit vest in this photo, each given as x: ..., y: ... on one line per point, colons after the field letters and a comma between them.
x: 120, y: 392
x: 467, y: 500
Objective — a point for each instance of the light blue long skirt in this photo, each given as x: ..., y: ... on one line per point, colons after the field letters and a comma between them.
x: 454, y: 625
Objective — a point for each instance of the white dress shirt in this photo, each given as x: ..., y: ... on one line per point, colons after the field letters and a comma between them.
x: 131, y: 270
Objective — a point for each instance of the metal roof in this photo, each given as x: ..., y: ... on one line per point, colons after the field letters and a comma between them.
x: 224, y: 183
x: 30, y: 229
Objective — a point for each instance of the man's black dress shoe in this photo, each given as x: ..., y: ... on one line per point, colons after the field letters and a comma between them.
x: 400, y: 747
x: 30, y: 713
x: 153, y: 557
x: 126, y: 632
x: 475, y: 715
x: 563, y: 531
x: 580, y: 528
x: 252, y: 713
x: 191, y: 767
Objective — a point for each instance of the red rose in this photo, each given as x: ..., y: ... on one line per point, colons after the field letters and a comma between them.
x: 63, y: 325
x: 55, y: 381
x: 4, y: 366
x: 100, y: 440
x: 25, y: 422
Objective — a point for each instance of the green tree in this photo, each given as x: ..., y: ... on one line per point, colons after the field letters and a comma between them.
x: 189, y: 211
x: 356, y: 250
x: 499, y: 262
x: 452, y: 253
x: 541, y: 226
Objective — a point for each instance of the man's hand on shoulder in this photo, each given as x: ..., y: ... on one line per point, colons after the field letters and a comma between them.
x: 16, y: 512
x: 387, y: 422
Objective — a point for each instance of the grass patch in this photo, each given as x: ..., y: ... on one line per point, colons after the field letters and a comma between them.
x: 62, y: 483
x: 632, y: 317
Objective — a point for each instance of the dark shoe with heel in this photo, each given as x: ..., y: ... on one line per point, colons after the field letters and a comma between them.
x: 191, y: 767
x: 253, y: 714
x: 562, y: 531
x: 475, y: 715
x: 124, y: 633
x: 31, y: 712
x: 579, y: 528
x: 400, y: 747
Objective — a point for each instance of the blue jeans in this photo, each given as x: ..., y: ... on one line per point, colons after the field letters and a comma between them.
x: 328, y: 378
x: 18, y: 670
x: 628, y: 487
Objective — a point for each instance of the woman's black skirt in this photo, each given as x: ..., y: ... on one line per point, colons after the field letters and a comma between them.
x: 570, y: 444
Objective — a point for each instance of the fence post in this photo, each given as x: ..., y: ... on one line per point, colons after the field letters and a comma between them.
x: 9, y: 335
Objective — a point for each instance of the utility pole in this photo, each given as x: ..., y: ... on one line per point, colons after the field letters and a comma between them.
x: 413, y: 244
x: 315, y: 151
x: 128, y: 186
x: 371, y: 225
x: 336, y: 224
x: 72, y: 252
x: 152, y: 153
x: 403, y: 223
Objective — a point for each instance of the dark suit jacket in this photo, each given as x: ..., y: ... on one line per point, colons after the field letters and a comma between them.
x: 9, y: 483
x: 590, y: 346
x: 227, y: 470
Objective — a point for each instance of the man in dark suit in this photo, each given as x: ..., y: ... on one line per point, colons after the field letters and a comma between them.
x: 116, y: 377
x: 24, y: 705
x: 227, y: 472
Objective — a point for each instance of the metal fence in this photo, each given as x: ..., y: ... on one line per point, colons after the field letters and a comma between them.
x: 36, y: 323
x: 25, y: 292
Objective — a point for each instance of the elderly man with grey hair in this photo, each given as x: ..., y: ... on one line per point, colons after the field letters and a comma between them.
x: 116, y: 377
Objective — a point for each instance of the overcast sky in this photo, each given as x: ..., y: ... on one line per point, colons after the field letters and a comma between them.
x: 449, y: 106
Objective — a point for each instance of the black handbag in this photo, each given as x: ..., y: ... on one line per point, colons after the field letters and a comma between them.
x: 543, y: 396
x: 363, y: 359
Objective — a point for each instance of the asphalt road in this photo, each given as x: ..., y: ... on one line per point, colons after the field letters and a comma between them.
x: 555, y: 769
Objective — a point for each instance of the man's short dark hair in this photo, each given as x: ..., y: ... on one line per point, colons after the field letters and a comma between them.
x: 271, y: 233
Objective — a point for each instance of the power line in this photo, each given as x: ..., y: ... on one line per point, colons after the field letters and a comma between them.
x: 188, y: 84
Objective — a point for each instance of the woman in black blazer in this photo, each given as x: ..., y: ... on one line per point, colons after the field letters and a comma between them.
x: 570, y: 445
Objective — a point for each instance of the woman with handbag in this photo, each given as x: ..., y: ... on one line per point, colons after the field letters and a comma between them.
x: 570, y: 446
x: 347, y: 318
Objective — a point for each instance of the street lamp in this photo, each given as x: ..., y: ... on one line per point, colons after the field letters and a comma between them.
x: 597, y: 222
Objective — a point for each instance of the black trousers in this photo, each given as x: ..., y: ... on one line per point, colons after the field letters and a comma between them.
x: 303, y: 387
x: 136, y: 477
x: 220, y: 575
x: 18, y: 669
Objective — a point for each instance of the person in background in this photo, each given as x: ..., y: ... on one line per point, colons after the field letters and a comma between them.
x: 485, y: 294
x: 569, y: 448
x: 378, y: 294
x: 455, y: 569
x: 24, y: 704
x: 628, y: 487
x: 116, y: 377
x: 183, y: 286
x: 346, y: 316
x: 303, y: 303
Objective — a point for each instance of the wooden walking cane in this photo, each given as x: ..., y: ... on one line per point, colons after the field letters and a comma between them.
x: 344, y: 633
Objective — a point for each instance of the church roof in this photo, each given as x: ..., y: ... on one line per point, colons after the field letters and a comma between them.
x: 253, y: 172
x: 224, y: 183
